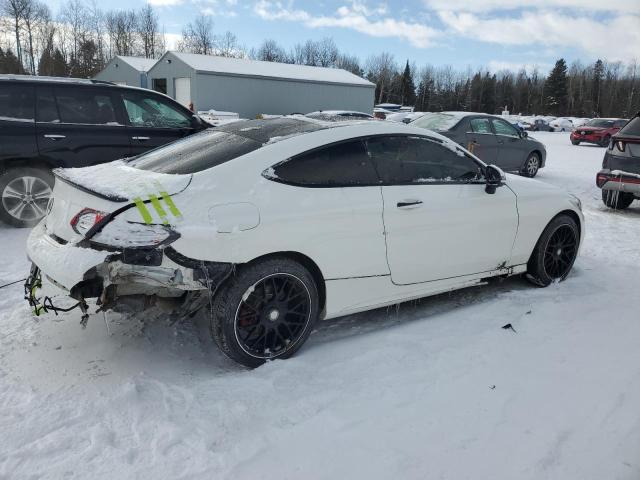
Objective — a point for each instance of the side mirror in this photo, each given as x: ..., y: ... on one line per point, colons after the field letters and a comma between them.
x: 524, y: 134
x: 406, y: 120
x: 494, y: 177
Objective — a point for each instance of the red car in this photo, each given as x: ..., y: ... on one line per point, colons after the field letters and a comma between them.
x: 598, y: 131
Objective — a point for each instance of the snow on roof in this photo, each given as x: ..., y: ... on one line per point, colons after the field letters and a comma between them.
x: 256, y: 68
x: 138, y: 63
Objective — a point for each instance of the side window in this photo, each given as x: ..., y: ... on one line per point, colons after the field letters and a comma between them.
x: 152, y: 112
x: 403, y: 160
x: 619, y: 123
x: 480, y: 125
x: 503, y: 128
x: 16, y: 103
x: 340, y: 165
x: 85, y: 106
x: 46, y: 108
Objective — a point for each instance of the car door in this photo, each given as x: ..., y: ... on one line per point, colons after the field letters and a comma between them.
x: 17, y: 122
x: 481, y: 141
x: 439, y: 221
x: 78, y: 125
x: 512, y: 149
x: 154, y: 121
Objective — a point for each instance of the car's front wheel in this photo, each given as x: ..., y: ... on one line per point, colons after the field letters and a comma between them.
x: 555, y: 252
x: 265, y: 311
x: 617, y: 200
x: 575, y: 142
x: 25, y: 193
x: 531, y: 165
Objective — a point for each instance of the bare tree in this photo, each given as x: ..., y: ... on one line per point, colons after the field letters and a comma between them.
x: 74, y: 15
x: 380, y: 70
x: 121, y: 27
x: 197, y: 36
x: 34, y: 14
x: 14, y: 11
x: 227, y: 46
x: 326, y: 53
x: 148, y: 28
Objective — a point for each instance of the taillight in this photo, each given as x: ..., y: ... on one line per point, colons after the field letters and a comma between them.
x: 601, y: 179
x: 620, y: 145
x: 85, y: 219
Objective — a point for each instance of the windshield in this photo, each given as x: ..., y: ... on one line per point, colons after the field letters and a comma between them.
x: 596, y: 122
x: 195, y: 153
x: 436, y: 121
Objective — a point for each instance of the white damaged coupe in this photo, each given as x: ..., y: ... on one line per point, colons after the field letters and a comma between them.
x: 274, y: 224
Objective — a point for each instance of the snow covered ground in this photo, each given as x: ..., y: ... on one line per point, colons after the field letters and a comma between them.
x: 431, y: 390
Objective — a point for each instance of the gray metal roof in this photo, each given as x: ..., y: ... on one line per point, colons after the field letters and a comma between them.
x: 138, y: 63
x: 256, y: 68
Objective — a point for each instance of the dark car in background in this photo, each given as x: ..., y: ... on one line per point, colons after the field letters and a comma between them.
x: 540, y: 125
x: 48, y: 122
x: 619, y: 178
x: 490, y: 138
x: 598, y: 131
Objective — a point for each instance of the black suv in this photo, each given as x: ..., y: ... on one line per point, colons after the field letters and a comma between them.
x: 48, y: 122
x: 619, y: 178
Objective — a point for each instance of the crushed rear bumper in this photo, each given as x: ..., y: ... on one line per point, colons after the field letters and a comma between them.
x: 619, y: 180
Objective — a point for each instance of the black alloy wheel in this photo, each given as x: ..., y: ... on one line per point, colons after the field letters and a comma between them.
x: 560, y: 252
x: 265, y: 311
x: 272, y: 315
x: 555, y: 252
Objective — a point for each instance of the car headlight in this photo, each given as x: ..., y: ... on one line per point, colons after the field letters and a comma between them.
x: 576, y: 201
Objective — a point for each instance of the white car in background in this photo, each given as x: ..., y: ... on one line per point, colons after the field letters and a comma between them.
x: 561, y: 125
x: 274, y: 224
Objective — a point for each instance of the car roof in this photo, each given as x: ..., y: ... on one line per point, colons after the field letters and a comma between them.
x: 46, y: 79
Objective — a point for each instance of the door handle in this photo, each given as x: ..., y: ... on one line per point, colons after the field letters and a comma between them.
x: 54, y: 137
x: 501, y: 141
x: 141, y: 139
x: 410, y: 203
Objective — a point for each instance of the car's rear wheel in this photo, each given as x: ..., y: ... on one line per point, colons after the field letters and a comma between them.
x: 531, y: 165
x: 605, y: 141
x: 617, y: 200
x: 24, y: 193
x: 265, y: 311
x: 555, y: 252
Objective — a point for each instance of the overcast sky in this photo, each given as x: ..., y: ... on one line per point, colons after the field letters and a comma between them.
x: 494, y: 33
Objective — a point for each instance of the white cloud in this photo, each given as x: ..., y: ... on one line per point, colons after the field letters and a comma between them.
x: 164, y: 3
x: 614, y: 39
x: 355, y: 16
x: 579, y: 7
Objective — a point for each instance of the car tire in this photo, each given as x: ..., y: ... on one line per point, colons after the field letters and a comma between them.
x: 24, y: 195
x: 575, y: 142
x: 266, y: 311
x: 531, y: 165
x: 605, y: 141
x: 617, y: 200
x: 555, y: 252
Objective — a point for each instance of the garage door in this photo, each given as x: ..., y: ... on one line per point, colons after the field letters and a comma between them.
x: 183, y: 90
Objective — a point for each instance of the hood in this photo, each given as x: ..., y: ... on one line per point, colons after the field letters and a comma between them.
x: 118, y: 182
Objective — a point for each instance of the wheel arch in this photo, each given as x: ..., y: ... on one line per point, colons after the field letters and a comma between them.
x: 36, y: 162
x: 306, y: 262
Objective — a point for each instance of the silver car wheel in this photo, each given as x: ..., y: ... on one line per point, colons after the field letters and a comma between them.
x: 26, y: 198
x: 532, y: 165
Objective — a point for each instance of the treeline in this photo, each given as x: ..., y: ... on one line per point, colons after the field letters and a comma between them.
x: 81, y: 38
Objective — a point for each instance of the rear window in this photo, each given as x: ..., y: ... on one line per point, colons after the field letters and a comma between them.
x: 195, y: 153
x: 436, y: 121
x: 632, y: 128
x: 16, y: 103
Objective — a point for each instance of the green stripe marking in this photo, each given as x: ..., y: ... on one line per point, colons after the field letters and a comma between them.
x: 172, y: 206
x: 146, y: 216
x: 158, y: 206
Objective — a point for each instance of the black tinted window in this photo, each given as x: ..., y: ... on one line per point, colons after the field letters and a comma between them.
x: 46, y: 109
x: 633, y: 127
x: 195, y: 153
x: 152, y: 111
x: 342, y: 164
x: 85, y: 105
x: 401, y: 160
x: 16, y: 103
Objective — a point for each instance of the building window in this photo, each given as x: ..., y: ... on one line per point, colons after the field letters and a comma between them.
x: 160, y: 85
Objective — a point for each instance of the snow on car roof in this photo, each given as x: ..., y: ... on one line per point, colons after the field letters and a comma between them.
x: 138, y: 63
x: 256, y: 68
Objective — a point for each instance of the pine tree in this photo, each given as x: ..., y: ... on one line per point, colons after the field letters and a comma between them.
x: 555, y: 89
x: 407, y: 87
x: 598, y: 75
x: 9, y: 63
